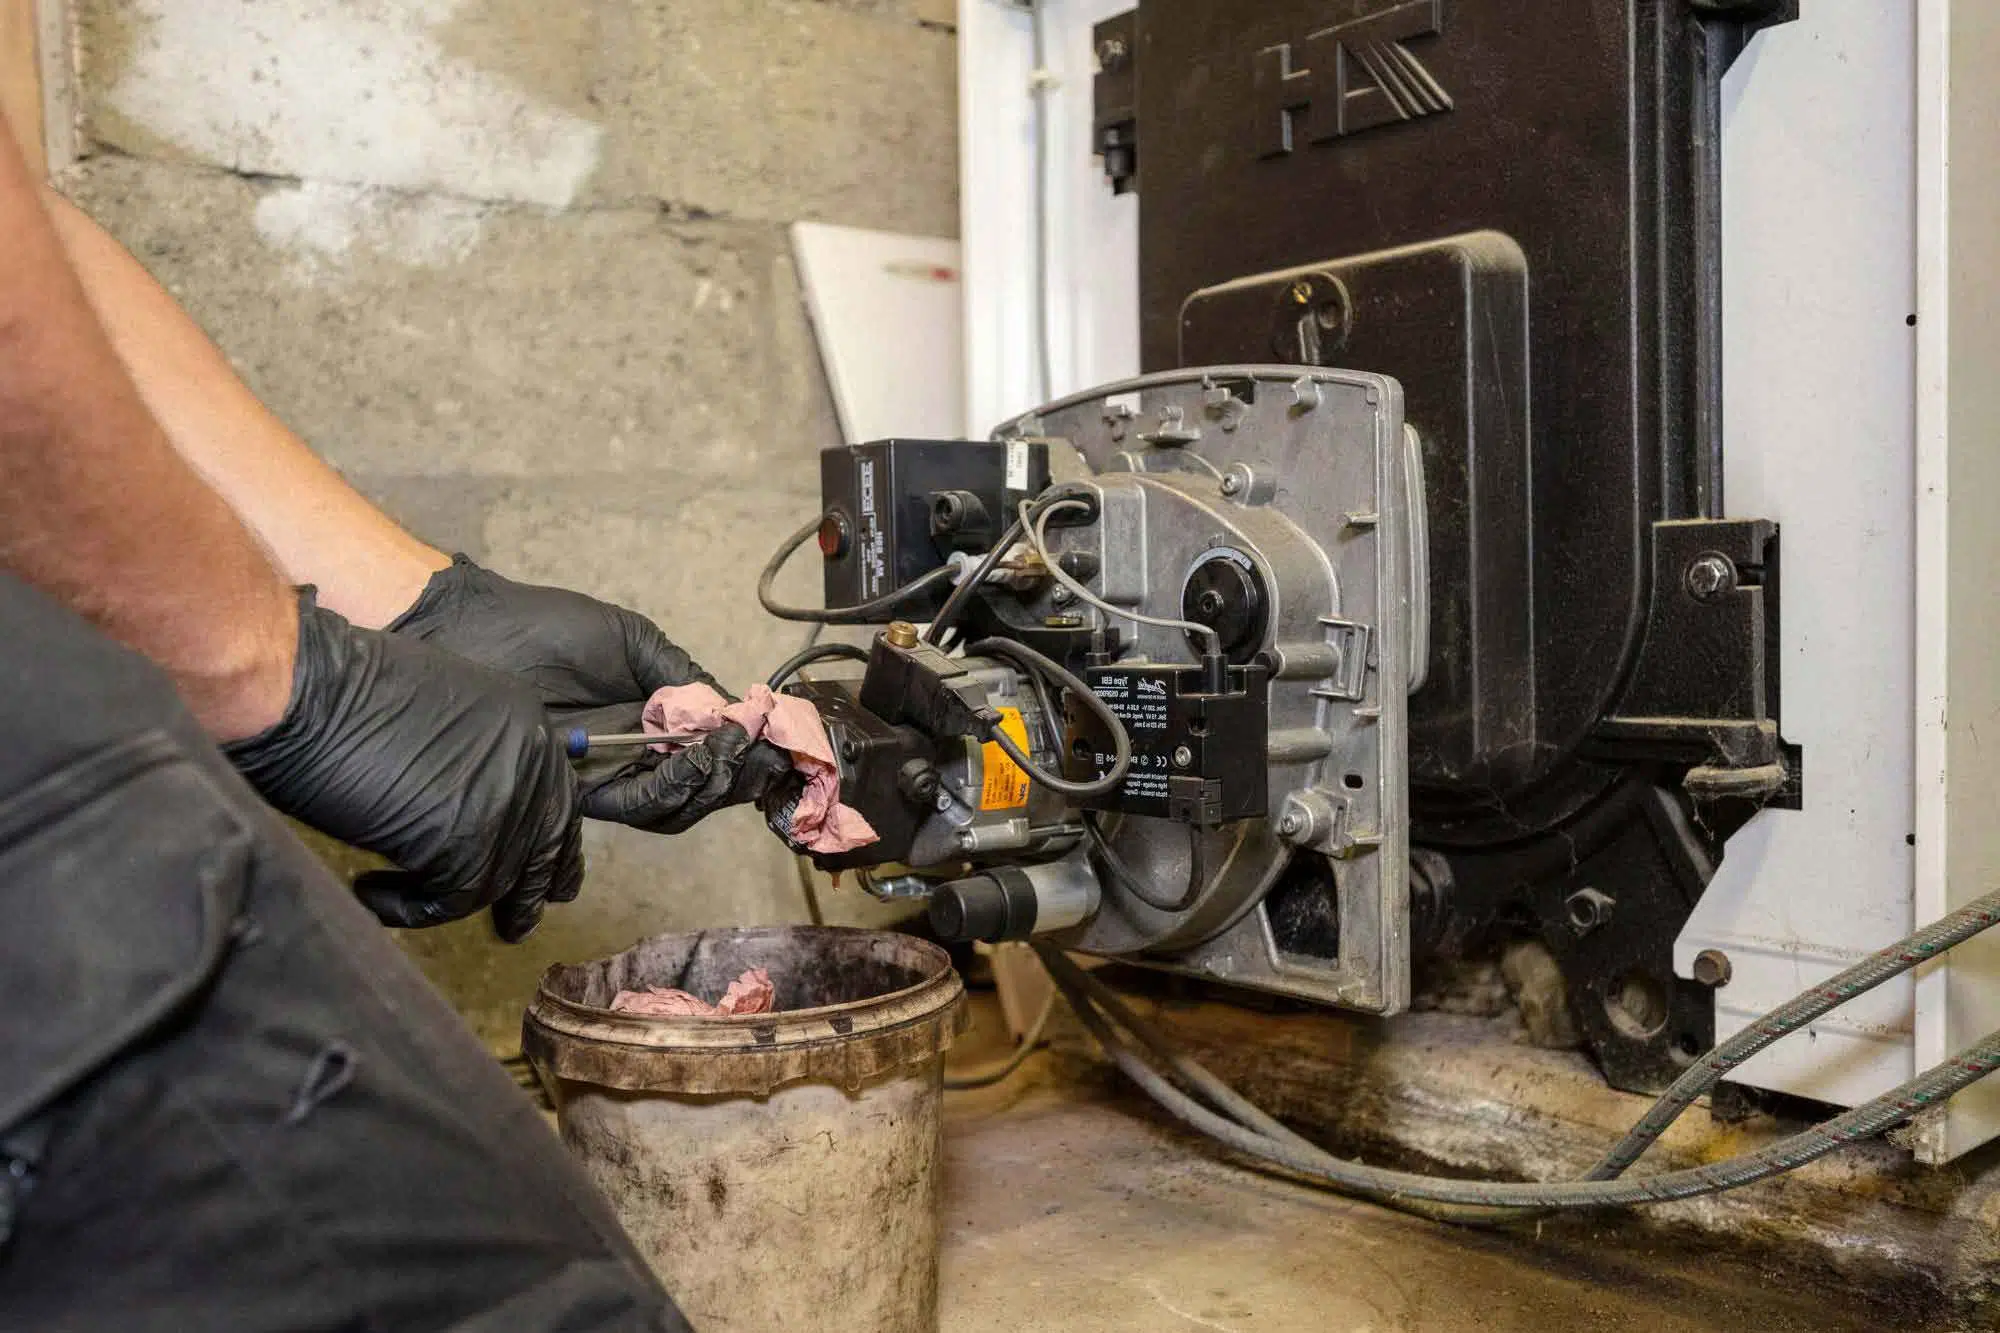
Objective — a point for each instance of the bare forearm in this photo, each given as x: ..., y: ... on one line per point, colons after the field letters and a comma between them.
x: 97, y: 509
x: 318, y: 528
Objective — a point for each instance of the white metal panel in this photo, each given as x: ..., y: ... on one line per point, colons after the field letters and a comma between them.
x: 1093, y: 236
x: 1819, y: 282
x: 889, y: 314
x: 1958, y: 552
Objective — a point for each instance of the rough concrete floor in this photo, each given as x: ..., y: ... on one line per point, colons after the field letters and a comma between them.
x: 1069, y: 1207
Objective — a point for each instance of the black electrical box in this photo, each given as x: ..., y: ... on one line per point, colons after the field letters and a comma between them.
x: 897, y: 509
x: 1196, y: 758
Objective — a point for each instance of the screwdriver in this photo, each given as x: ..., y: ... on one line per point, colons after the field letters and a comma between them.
x: 577, y: 743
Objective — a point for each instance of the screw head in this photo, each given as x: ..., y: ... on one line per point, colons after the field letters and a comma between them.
x: 1231, y: 484
x: 1712, y: 968
x: 1710, y: 576
x: 1111, y: 54
x: 1292, y: 824
x: 1183, y: 756
x: 1302, y: 292
x: 1062, y: 596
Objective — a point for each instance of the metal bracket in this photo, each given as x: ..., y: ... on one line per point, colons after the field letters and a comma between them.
x: 1115, y: 94
x: 1350, y: 641
x: 1705, y: 690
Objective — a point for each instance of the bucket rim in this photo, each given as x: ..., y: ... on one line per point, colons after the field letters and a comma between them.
x: 608, y: 1021
x: 849, y: 1044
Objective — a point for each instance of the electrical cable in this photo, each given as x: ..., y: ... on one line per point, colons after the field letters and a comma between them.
x: 862, y: 614
x: 1399, y: 1188
x: 1036, y: 527
x: 1030, y: 1040
x: 1036, y: 663
x: 1232, y: 1103
x: 1794, y: 1014
x: 808, y: 886
x: 1043, y: 699
x: 1055, y: 782
x: 954, y: 605
x: 819, y: 652
x: 1134, y: 883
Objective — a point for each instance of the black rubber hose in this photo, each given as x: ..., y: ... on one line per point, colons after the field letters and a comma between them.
x: 1135, y: 884
x: 864, y: 614
x: 1036, y: 663
x: 954, y: 605
x: 1398, y: 1188
x: 1197, y: 1079
x: 819, y: 652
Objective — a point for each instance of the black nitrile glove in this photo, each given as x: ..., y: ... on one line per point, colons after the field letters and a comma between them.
x: 446, y: 769
x: 595, y: 665
x: 780, y: 805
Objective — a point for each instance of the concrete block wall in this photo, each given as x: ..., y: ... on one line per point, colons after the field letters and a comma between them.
x: 520, y: 271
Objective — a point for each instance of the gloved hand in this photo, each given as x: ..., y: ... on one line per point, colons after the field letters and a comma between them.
x: 779, y: 804
x: 447, y: 769
x: 595, y: 665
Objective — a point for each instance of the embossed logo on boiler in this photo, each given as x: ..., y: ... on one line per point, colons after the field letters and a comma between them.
x: 1349, y: 78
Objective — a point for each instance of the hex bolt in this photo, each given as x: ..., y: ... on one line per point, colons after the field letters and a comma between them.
x: 1588, y: 909
x: 1713, y: 969
x: 1183, y: 756
x: 1292, y: 824
x: 1710, y: 576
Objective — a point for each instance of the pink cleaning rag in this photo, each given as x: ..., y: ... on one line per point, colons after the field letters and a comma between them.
x: 751, y: 993
x: 680, y: 714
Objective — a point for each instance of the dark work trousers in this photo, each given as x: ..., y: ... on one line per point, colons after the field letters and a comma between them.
x: 227, y: 1101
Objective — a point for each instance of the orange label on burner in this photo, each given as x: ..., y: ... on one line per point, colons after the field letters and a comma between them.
x: 1006, y: 786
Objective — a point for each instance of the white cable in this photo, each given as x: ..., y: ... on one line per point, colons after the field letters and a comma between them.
x: 1036, y: 529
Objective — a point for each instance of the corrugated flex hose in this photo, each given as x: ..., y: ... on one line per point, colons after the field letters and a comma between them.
x: 1200, y: 1100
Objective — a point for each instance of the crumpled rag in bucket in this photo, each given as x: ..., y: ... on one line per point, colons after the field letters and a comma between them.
x: 751, y: 993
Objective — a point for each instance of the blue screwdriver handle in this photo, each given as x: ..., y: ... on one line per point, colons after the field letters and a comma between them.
x: 577, y: 743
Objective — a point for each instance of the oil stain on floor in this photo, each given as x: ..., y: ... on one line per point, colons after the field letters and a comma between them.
x: 1068, y: 1209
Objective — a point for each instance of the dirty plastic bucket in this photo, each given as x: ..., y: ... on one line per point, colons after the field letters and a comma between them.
x: 780, y: 1171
